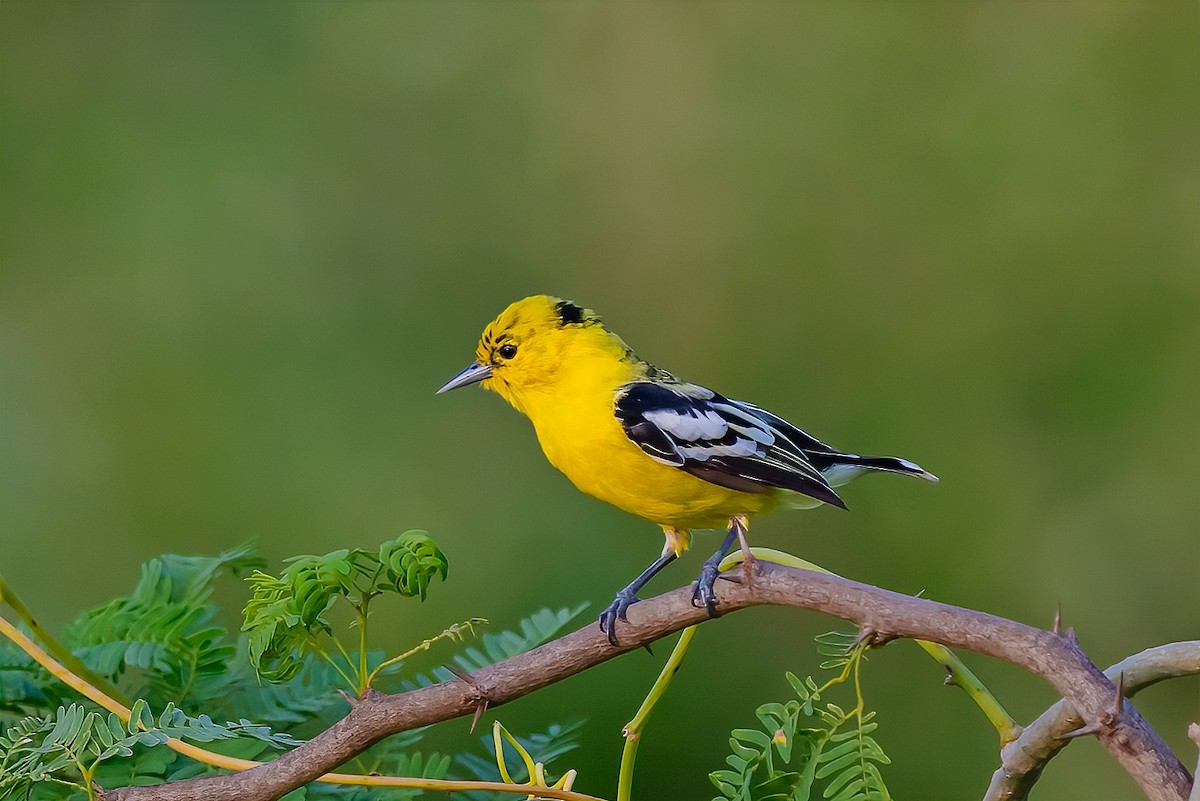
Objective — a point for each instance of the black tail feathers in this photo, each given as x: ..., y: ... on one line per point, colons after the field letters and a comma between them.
x: 852, y: 462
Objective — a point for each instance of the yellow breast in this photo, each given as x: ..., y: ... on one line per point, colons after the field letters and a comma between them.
x: 581, y: 436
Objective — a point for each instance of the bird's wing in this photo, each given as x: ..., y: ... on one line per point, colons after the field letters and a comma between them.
x: 724, y: 442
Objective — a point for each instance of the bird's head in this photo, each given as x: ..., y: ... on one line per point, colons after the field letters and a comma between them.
x: 529, y: 345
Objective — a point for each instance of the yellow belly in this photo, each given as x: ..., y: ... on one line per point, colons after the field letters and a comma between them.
x: 592, y: 450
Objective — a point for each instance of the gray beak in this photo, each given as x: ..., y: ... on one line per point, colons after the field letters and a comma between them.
x: 476, y: 372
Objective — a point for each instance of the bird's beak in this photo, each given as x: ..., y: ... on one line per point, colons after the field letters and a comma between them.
x: 476, y: 372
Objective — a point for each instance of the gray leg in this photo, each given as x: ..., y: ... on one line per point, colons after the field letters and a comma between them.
x: 704, y: 594
x: 628, y: 597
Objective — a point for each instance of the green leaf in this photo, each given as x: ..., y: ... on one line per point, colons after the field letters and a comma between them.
x: 410, y: 562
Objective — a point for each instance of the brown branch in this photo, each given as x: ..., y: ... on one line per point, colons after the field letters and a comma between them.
x: 1023, y: 759
x: 1126, y: 735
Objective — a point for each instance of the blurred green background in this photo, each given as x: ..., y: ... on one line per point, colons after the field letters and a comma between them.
x: 241, y: 245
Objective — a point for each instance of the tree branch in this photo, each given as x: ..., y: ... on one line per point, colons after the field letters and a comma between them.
x: 1023, y: 760
x: 881, y: 613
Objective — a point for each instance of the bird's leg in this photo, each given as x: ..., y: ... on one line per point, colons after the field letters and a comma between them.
x: 628, y: 596
x: 704, y: 594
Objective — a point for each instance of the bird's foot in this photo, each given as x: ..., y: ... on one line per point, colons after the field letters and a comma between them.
x: 705, y: 595
x: 616, y: 611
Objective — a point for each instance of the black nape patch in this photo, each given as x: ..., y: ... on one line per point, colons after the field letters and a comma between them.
x: 569, y: 313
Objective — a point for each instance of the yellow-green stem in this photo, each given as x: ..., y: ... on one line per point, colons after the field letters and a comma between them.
x: 316, y: 646
x: 633, y: 729
x: 961, y: 676
x: 60, y: 651
x: 363, y: 680
x: 89, y: 784
x: 452, y: 632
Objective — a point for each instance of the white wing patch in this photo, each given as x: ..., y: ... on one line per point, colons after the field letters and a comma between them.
x: 702, y: 433
x: 690, y: 425
x: 747, y: 424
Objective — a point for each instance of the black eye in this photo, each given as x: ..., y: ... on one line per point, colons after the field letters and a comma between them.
x: 508, y: 351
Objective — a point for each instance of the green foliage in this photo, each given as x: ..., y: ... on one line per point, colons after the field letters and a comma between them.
x: 164, y: 643
x: 285, y: 618
x: 165, y: 630
x: 67, y: 747
x: 808, y: 747
x: 294, y: 701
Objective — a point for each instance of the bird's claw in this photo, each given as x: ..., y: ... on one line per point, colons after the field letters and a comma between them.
x: 705, y: 595
x: 616, y: 611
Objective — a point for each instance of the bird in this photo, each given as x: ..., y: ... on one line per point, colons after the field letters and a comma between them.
x: 671, y: 452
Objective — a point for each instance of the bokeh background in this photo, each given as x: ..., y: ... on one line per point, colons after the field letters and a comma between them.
x: 243, y: 243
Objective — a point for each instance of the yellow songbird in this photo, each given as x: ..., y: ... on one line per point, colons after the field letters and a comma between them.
x: 633, y: 435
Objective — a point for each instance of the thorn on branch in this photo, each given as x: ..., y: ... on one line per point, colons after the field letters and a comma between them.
x: 1106, y: 724
x: 1057, y: 618
x: 479, y: 710
x: 1109, y: 721
x: 1082, y: 731
x: 480, y: 696
x: 462, y: 675
x: 350, y: 699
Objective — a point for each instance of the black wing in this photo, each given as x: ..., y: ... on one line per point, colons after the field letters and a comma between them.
x: 724, y: 442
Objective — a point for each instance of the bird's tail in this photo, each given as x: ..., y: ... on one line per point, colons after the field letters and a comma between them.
x: 839, y: 468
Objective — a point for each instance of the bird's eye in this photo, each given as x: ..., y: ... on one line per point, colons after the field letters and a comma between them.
x: 508, y: 351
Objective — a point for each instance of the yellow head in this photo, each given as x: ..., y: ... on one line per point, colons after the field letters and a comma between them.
x: 532, y: 345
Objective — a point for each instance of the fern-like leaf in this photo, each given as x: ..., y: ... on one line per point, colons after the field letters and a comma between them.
x: 165, y: 629
x: 74, y: 742
x: 808, y: 747
x: 532, y: 631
